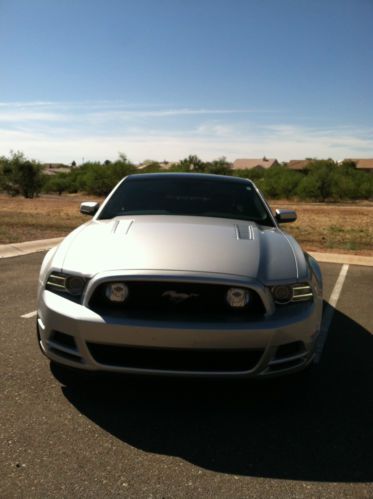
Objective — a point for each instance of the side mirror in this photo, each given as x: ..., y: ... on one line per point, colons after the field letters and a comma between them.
x: 285, y: 216
x: 89, y: 208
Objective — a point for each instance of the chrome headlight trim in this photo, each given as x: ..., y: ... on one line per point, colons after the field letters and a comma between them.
x: 69, y: 285
x: 302, y: 292
x: 296, y: 293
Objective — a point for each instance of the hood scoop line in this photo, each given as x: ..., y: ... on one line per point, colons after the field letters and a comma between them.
x: 245, y: 231
x: 122, y: 226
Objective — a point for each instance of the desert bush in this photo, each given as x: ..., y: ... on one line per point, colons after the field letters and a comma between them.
x: 322, y: 180
x: 56, y: 183
x: 19, y: 175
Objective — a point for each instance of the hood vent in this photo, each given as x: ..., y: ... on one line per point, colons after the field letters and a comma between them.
x: 245, y: 231
x: 122, y: 226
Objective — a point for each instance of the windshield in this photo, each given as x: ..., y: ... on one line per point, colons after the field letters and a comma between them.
x: 187, y: 196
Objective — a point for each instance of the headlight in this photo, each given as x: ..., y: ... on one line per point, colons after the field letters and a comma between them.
x: 282, y: 294
x: 116, y: 292
x: 238, y: 297
x: 67, y: 284
x: 291, y: 293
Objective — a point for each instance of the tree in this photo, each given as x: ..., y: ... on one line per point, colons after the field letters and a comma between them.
x: 323, y: 170
x: 150, y: 166
x: 191, y: 164
x: 218, y: 166
x: 318, y: 182
x: 122, y: 158
x: 21, y: 176
x: 57, y: 183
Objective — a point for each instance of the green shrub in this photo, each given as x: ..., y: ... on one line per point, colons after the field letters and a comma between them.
x: 19, y: 175
x: 322, y: 180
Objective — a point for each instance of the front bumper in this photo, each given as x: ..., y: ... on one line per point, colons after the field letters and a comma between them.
x: 73, y: 335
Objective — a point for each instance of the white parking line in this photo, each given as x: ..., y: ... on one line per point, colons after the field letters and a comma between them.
x: 29, y: 315
x: 338, y: 286
x: 329, y: 312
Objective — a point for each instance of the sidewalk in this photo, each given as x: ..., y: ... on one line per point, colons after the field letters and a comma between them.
x: 366, y: 261
x: 19, y: 249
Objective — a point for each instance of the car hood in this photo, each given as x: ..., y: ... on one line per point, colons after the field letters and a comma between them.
x: 179, y: 243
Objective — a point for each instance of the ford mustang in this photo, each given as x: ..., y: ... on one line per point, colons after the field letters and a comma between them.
x: 181, y: 274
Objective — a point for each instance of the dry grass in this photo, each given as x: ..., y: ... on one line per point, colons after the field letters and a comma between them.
x: 337, y: 228
x: 41, y: 218
x: 320, y: 226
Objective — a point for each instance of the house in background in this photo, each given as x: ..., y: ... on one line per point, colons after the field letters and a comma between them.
x: 299, y: 164
x: 54, y: 168
x: 362, y: 164
x: 249, y: 164
x: 163, y: 165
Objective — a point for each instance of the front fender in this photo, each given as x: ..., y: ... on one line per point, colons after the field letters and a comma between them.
x: 45, y: 267
x: 315, y: 270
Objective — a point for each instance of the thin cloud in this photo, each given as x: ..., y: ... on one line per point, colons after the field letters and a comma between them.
x: 26, y: 104
x: 173, y: 146
x: 98, y: 131
x: 30, y: 116
x: 98, y: 114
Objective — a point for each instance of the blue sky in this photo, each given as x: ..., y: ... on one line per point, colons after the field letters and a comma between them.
x: 162, y: 79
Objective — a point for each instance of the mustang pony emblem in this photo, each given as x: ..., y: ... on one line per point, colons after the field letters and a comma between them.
x: 176, y: 297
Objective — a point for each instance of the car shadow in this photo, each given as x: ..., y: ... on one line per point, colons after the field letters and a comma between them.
x: 315, y: 426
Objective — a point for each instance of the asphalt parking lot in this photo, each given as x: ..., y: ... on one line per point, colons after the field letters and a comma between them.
x: 304, y: 436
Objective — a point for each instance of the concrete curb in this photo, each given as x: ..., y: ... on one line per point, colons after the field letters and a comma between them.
x: 366, y: 261
x: 19, y: 249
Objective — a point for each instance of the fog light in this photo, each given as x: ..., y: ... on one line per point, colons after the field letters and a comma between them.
x: 282, y: 294
x: 116, y: 291
x: 238, y: 297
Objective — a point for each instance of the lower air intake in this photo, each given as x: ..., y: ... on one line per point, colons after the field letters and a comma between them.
x: 170, y: 359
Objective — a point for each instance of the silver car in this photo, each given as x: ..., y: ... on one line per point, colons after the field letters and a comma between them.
x: 181, y: 274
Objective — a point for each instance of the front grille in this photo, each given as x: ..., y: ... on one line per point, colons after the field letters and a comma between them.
x: 171, y: 359
x: 164, y: 301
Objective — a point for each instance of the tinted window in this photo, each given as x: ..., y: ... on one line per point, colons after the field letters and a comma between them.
x: 187, y: 196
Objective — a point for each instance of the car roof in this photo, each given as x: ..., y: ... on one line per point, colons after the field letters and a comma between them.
x: 200, y: 176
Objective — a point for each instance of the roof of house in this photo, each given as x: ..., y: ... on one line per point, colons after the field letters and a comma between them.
x: 298, y: 164
x: 164, y: 165
x: 53, y: 168
x: 362, y: 163
x: 246, y: 163
x: 55, y: 165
